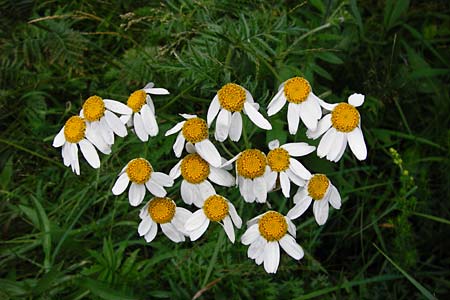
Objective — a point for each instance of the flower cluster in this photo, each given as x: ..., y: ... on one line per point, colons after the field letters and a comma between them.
x: 256, y: 173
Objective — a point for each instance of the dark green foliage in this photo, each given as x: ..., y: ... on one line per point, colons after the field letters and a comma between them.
x: 67, y: 237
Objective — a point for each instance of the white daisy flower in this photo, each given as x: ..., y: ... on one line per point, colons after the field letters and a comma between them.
x: 265, y: 234
x: 287, y: 168
x: 195, y: 131
x: 252, y: 175
x: 319, y: 188
x: 141, y: 174
x: 142, y: 117
x: 195, y: 172
x: 217, y: 209
x: 76, y: 133
x: 303, y: 104
x: 164, y: 212
x: 99, y: 114
x: 341, y: 125
x: 227, y: 105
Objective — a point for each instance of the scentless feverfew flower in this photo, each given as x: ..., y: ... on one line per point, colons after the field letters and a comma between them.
x: 142, y: 115
x: 341, y: 125
x: 141, y: 174
x: 319, y: 189
x: 195, y: 131
x: 228, y: 103
x: 97, y: 112
x: 289, y: 169
x: 265, y: 234
x: 164, y: 212
x: 195, y: 172
x: 251, y: 175
x: 214, y: 208
x: 303, y: 104
x: 75, y: 133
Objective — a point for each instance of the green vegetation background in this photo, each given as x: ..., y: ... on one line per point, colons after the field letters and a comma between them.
x: 67, y: 237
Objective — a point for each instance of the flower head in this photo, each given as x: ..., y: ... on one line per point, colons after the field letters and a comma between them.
x: 227, y: 105
x: 141, y: 174
x: 340, y: 126
x: 265, y: 234
x: 320, y: 189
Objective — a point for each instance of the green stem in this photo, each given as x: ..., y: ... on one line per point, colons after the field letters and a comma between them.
x: 213, y: 258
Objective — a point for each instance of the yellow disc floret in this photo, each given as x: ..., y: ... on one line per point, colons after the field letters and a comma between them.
x: 278, y: 159
x: 215, y: 208
x: 93, y: 108
x: 297, y: 90
x: 317, y: 186
x: 161, y: 210
x: 137, y: 100
x: 251, y: 163
x: 74, y: 129
x: 194, y: 168
x: 195, y: 130
x: 344, y: 117
x: 139, y: 170
x: 272, y: 226
x: 232, y: 97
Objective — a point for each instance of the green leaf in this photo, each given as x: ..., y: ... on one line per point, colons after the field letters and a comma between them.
x: 395, y: 10
x: 45, y: 229
x: 329, y: 57
x: 103, y: 290
x: 6, y: 174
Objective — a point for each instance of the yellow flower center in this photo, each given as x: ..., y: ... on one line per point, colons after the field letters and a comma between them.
x: 194, y: 169
x: 297, y: 90
x: 93, y: 108
x: 251, y: 163
x: 272, y: 226
x: 278, y: 159
x: 161, y: 210
x: 139, y: 170
x: 195, y: 130
x: 232, y: 97
x: 317, y: 186
x: 345, y: 117
x: 74, y: 129
x: 215, y: 208
x: 137, y: 100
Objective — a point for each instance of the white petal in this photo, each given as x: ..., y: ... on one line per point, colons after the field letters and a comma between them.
x: 285, y: 184
x: 175, y: 172
x: 188, y: 116
x: 196, y: 234
x: 127, y: 120
x: 156, y: 91
x: 234, y: 215
x: 149, y: 121
x: 117, y: 107
x: 307, y: 116
x: 298, y: 149
x: 180, y: 218
x: 256, y: 248
x: 155, y: 188
x: 322, y: 126
x: 150, y: 236
x: 208, y: 152
x: 195, y: 221
x: 291, y: 247
x: 59, y: 139
x: 277, y: 103
x: 326, y: 105
x: 320, y: 210
x: 222, y: 125
x: 172, y: 233
x: 298, y: 169
x: 149, y: 85
x: 179, y: 145
x: 357, y: 144
x: 188, y: 192
x: 143, y: 213
x: 294, y: 178
x: 301, y: 193
x: 271, y: 179
x: 74, y: 155
x: 121, y: 184
x: 293, y: 117
x: 274, y: 144
x: 250, y: 235
x: 206, y: 190
x: 256, y: 117
x: 136, y: 194
x: 106, y: 132
x: 221, y: 177
x: 97, y: 141
x: 246, y: 189
x: 334, y: 197
x: 190, y: 148
x: 150, y: 104
x: 312, y: 105
x: 271, y: 257
x: 291, y: 227
x: 300, y: 207
x: 89, y: 153
x: 236, y: 126
x: 260, y: 189
x: 356, y: 99
x: 175, y: 128
x: 342, y: 150
x: 115, y: 124
x: 139, y: 127
x: 162, y: 179
x: 228, y: 227
x: 213, y: 110
x: 339, y: 141
x: 326, y: 142
x: 227, y: 163
x: 144, y: 226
